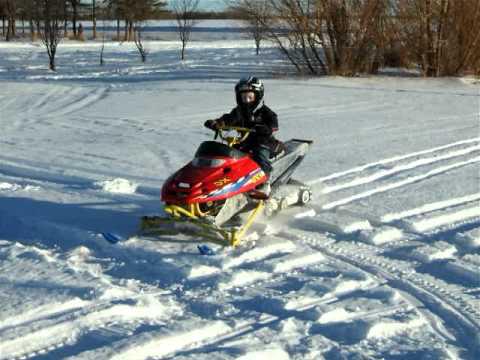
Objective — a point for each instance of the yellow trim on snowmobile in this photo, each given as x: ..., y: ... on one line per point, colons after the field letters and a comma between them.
x: 238, y: 234
x: 194, y: 211
x: 199, y: 212
x: 208, y: 232
x: 177, y: 211
x: 234, y: 140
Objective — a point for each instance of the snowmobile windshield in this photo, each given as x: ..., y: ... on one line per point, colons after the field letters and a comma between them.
x: 207, y: 162
x: 215, y: 149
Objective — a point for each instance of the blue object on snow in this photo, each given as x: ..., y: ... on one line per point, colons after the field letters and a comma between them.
x: 205, y: 250
x: 111, y: 238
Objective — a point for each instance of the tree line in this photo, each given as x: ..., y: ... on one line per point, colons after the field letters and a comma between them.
x: 348, y: 37
x: 337, y: 37
x: 53, y: 20
x: 32, y: 14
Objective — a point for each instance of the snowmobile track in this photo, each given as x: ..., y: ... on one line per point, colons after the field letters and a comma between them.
x: 223, y: 334
x: 401, y: 183
x: 457, y: 313
x: 68, y: 325
x: 398, y: 169
x: 383, y: 162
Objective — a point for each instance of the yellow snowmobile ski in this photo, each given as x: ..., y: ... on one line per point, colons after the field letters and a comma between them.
x: 194, y: 223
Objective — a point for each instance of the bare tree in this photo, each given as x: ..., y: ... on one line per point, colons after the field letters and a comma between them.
x: 10, y: 8
x: 114, y: 9
x: 133, y: 12
x: 442, y: 36
x: 139, y: 43
x: 184, y: 13
x: 341, y: 37
x: 75, y: 8
x: 51, y: 31
x: 3, y: 14
x: 139, y: 12
x: 257, y: 15
x: 102, y: 49
x: 94, y: 18
x: 23, y: 12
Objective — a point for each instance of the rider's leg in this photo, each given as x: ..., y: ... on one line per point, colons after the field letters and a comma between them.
x: 261, y: 155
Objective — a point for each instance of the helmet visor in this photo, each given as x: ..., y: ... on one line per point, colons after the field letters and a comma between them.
x: 247, y: 97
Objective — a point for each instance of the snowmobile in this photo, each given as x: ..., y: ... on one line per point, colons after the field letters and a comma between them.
x: 215, y: 197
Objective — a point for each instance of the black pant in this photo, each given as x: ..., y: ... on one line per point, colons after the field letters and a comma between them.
x: 261, y: 154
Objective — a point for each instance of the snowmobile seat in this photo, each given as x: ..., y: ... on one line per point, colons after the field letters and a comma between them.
x: 278, y: 150
x: 213, y: 148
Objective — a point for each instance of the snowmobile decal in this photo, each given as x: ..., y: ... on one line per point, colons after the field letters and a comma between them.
x: 253, y: 177
x: 223, y: 181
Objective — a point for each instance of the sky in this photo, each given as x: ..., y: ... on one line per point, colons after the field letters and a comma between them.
x: 212, y: 4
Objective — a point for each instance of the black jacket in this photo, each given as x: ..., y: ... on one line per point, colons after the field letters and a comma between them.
x: 264, y: 120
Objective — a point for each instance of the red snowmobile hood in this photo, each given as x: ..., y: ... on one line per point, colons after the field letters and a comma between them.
x: 225, y: 177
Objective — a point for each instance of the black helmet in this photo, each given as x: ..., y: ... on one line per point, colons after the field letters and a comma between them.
x: 250, y: 84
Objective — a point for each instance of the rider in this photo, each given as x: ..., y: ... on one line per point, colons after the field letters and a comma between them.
x: 252, y: 113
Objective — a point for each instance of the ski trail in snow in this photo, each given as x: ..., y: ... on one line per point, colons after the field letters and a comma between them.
x: 390, y: 217
x: 219, y: 332
x: 432, y: 223
x: 60, y: 101
x: 297, y: 261
x: 72, y: 326
x: 259, y: 253
x: 390, y: 160
x: 319, y: 111
x: 341, y: 315
x: 434, y: 301
x: 390, y: 328
x: 45, y: 101
x: 169, y: 344
x: 401, y: 183
x: 85, y: 99
x: 287, y: 258
x: 42, y: 312
x: 384, y: 173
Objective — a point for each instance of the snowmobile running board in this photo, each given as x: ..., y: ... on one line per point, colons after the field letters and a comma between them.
x: 303, y: 141
x: 195, y: 227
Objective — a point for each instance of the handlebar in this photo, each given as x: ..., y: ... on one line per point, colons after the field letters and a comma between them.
x: 233, y: 140
x: 235, y: 128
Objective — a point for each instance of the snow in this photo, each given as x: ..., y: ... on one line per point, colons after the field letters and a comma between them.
x: 389, y: 329
x: 296, y: 261
x: 164, y: 345
x: 469, y: 238
x: 202, y: 270
x: 117, y: 186
x: 401, y: 183
x: 382, y: 235
x: 383, y: 263
x: 12, y: 187
x: 438, y: 221
x: 431, y: 207
x: 244, y: 278
x: 396, y: 169
x: 266, y: 354
x: 337, y: 315
x: 442, y: 250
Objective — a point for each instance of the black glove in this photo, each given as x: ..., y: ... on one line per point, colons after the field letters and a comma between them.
x: 211, y: 124
x: 262, y: 129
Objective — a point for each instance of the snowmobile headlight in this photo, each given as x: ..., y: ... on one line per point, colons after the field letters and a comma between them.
x: 207, y: 162
x: 184, y: 185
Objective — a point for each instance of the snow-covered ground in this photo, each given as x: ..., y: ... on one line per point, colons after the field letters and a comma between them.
x: 384, y: 263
